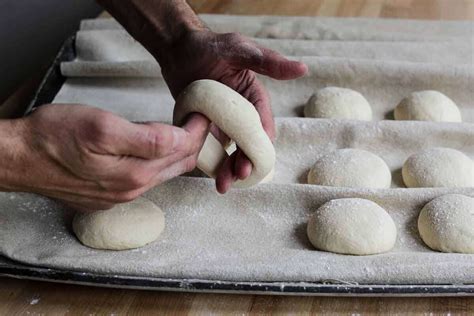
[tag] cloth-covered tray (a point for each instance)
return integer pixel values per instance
(257, 234)
(254, 239)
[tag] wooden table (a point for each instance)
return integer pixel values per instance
(31, 297)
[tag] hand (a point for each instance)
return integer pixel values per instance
(233, 60)
(92, 159)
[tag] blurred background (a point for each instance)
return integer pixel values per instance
(31, 33)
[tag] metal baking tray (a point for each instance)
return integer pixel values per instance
(45, 93)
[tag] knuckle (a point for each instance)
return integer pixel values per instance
(136, 180)
(98, 127)
(234, 37)
(190, 163)
(159, 142)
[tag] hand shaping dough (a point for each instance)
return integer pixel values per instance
(438, 167)
(427, 106)
(338, 103)
(447, 223)
(125, 226)
(237, 118)
(352, 226)
(355, 168)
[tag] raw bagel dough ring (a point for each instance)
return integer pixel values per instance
(236, 117)
(125, 226)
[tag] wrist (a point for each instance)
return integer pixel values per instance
(180, 23)
(157, 24)
(13, 169)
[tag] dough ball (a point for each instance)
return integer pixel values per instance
(447, 223)
(338, 103)
(438, 167)
(427, 106)
(125, 226)
(355, 168)
(352, 226)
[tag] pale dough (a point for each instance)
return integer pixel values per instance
(438, 167)
(237, 118)
(125, 226)
(352, 226)
(355, 168)
(447, 223)
(427, 105)
(338, 103)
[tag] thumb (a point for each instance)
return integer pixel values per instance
(196, 129)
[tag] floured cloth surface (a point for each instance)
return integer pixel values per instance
(324, 28)
(383, 71)
(383, 83)
(118, 46)
(256, 234)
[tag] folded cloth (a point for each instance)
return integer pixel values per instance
(119, 46)
(325, 28)
(383, 83)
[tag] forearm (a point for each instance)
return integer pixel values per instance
(156, 24)
(11, 155)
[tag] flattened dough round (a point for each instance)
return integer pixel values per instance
(427, 105)
(447, 223)
(355, 168)
(125, 226)
(338, 103)
(352, 226)
(236, 117)
(438, 167)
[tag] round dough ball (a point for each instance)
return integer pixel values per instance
(355, 168)
(438, 167)
(447, 223)
(338, 103)
(352, 226)
(125, 226)
(427, 105)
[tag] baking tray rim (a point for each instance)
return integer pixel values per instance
(21, 271)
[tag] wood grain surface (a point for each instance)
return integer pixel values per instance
(23, 297)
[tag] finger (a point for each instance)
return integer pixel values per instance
(197, 125)
(225, 176)
(155, 140)
(219, 135)
(176, 169)
(243, 166)
(249, 55)
(278, 67)
(256, 93)
(88, 207)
